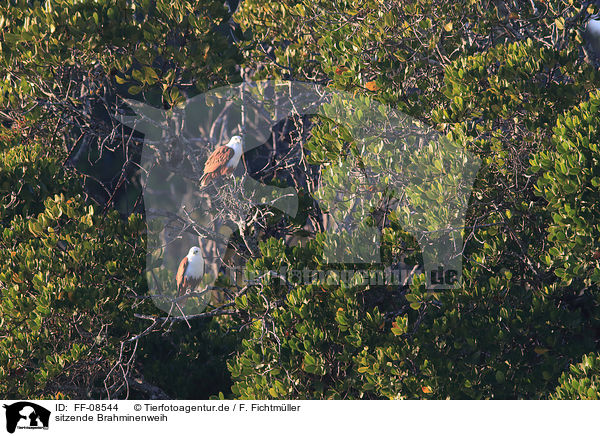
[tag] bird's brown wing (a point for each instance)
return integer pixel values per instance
(180, 277)
(218, 159)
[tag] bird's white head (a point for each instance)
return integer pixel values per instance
(236, 143)
(194, 252)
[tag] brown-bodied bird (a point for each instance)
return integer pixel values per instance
(222, 161)
(190, 272)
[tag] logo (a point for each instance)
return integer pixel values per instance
(26, 415)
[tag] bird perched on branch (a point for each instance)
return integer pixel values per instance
(223, 161)
(190, 272)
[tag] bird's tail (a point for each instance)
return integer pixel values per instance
(206, 179)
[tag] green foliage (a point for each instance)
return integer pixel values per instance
(508, 83)
(74, 270)
(570, 182)
(30, 172)
(581, 382)
(63, 283)
(69, 284)
(142, 47)
(315, 341)
(512, 328)
(334, 341)
(64, 288)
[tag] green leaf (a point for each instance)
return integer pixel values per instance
(133, 90)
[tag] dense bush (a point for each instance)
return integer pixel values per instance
(509, 83)
(581, 381)
(74, 269)
(512, 328)
(64, 284)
